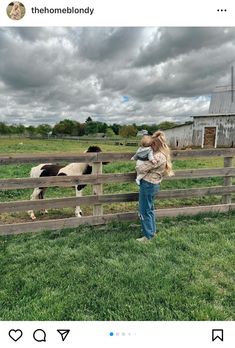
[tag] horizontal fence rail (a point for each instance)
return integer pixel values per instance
(104, 157)
(97, 179)
(59, 224)
(69, 181)
(110, 198)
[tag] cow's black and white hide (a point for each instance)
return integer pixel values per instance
(72, 169)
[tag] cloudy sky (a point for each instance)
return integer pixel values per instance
(116, 75)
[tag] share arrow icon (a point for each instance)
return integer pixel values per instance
(64, 334)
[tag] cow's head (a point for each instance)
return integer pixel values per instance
(95, 149)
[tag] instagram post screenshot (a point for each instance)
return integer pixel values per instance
(117, 173)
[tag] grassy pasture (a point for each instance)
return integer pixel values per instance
(102, 273)
(14, 145)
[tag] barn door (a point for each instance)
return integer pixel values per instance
(209, 136)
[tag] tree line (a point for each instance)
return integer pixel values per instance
(75, 128)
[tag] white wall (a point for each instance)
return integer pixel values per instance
(179, 137)
(225, 129)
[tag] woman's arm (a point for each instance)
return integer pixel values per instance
(148, 166)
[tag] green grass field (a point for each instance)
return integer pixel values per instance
(102, 273)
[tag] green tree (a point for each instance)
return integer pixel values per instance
(4, 129)
(91, 128)
(89, 119)
(95, 127)
(17, 129)
(43, 129)
(80, 129)
(166, 125)
(65, 127)
(128, 131)
(115, 127)
(31, 130)
(102, 127)
(109, 132)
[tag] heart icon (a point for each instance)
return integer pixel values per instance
(15, 334)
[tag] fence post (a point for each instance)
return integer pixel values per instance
(97, 189)
(228, 162)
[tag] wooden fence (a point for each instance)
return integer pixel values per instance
(97, 179)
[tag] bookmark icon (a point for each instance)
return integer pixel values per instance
(64, 334)
(217, 334)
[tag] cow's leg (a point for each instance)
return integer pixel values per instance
(37, 194)
(78, 211)
(41, 196)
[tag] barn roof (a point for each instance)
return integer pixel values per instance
(214, 115)
(184, 124)
(222, 100)
(180, 125)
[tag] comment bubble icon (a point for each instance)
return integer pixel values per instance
(39, 335)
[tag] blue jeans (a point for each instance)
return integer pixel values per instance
(146, 207)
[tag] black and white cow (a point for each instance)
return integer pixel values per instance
(49, 169)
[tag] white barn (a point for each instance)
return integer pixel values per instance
(217, 129)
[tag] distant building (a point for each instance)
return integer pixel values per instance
(217, 129)
(142, 132)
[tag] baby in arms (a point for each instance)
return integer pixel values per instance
(144, 153)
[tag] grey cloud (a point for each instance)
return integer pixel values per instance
(47, 74)
(34, 34)
(102, 44)
(168, 43)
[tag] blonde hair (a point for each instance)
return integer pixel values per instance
(159, 144)
(16, 10)
(146, 140)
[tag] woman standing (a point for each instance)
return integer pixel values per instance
(150, 184)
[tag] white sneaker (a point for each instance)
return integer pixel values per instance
(143, 240)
